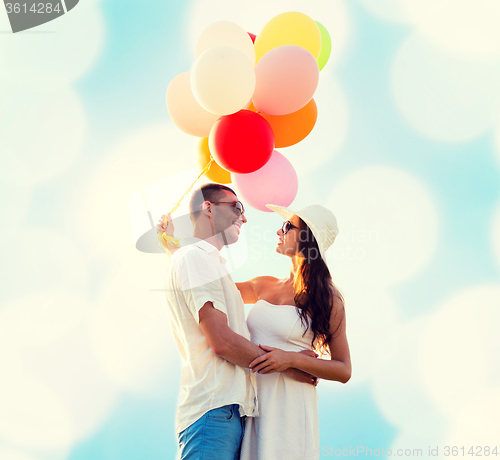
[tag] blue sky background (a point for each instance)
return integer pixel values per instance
(407, 145)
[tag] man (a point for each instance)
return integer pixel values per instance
(207, 316)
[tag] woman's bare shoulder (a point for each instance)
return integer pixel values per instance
(253, 290)
(264, 280)
(262, 283)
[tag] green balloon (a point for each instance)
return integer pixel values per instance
(326, 46)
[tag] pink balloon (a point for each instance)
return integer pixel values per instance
(286, 79)
(276, 183)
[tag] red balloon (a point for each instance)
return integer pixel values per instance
(252, 36)
(241, 142)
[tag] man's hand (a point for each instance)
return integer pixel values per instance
(276, 360)
(165, 225)
(301, 376)
(310, 353)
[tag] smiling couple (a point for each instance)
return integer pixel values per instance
(248, 388)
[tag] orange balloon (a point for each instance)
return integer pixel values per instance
(291, 128)
(216, 173)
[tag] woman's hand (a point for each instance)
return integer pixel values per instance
(276, 360)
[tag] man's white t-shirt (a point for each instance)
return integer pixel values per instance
(197, 274)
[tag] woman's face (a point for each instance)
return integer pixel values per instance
(288, 243)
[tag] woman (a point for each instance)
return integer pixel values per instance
(304, 311)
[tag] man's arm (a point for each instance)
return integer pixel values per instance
(234, 348)
(223, 341)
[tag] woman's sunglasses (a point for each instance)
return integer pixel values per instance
(238, 205)
(287, 226)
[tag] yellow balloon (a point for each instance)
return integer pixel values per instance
(216, 173)
(290, 28)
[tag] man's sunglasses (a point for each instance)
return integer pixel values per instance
(237, 205)
(287, 226)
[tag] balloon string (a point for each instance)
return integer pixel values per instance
(207, 167)
(163, 238)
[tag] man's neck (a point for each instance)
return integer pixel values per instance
(214, 240)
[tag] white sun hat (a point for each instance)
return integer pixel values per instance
(320, 220)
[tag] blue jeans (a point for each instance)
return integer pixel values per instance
(216, 435)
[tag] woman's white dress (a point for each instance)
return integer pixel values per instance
(287, 428)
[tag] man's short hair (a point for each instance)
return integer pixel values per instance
(207, 192)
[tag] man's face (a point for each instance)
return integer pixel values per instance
(225, 218)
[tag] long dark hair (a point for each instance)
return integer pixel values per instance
(315, 291)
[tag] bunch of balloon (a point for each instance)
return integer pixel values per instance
(247, 95)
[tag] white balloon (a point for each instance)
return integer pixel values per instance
(253, 15)
(223, 80)
(226, 33)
